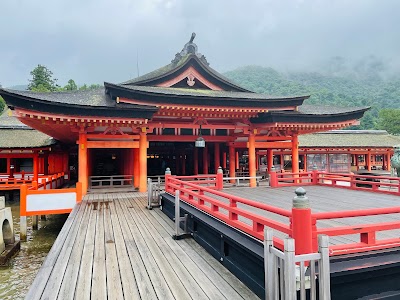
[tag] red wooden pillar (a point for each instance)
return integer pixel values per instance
(224, 160)
(232, 163)
(82, 162)
(295, 154)
(237, 160)
(217, 155)
(136, 170)
(143, 161)
(369, 160)
(35, 167)
(205, 160)
(252, 159)
(270, 159)
(388, 161)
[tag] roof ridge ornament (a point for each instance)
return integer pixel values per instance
(190, 48)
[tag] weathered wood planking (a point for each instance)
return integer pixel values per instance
(111, 247)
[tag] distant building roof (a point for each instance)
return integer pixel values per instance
(349, 138)
(14, 134)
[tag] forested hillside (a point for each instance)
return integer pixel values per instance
(325, 89)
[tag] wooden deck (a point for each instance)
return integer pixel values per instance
(324, 199)
(111, 247)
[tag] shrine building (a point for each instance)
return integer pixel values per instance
(185, 116)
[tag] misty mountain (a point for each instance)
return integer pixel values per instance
(21, 87)
(325, 89)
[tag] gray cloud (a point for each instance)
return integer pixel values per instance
(96, 40)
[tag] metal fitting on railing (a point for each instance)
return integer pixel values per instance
(167, 171)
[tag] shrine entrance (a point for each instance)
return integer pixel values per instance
(110, 168)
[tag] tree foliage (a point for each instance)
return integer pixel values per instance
(389, 120)
(71, 86)
(42, 80)
(2, 104)
(358, 87)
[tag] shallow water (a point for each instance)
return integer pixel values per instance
(16, 278)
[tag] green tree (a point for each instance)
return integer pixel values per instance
(2, 104)
(42, 80)
(71, 86)
(389, 120)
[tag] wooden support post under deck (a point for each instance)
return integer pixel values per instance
(35, 167)
(196, 161)
(205, 160)
(232, 163)
(217, 155)
(82, 162)
(252, 159)
(143, 162)
(295, 154)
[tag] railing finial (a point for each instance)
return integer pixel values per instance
(167, 171)
(301, 200)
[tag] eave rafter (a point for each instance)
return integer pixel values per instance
(302, 128)
(78, 120)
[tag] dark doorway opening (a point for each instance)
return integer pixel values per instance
(107, 162)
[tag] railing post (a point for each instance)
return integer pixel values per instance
(219, 180)
(269, 265)
(22, 211)
(290, 269)
(149, 193)
(273, 178)
(314, 175)
(167, 177)
(35, 185)
(301, 222)
(324, 268)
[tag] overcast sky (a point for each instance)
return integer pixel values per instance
(92, 41)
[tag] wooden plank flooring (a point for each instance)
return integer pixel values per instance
(111, 247)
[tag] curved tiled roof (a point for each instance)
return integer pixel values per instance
(14, 134)
(90, 97)
(176, 65)
(24, 138)
(202, 92)
(349, 138)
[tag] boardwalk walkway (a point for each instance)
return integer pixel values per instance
(111, 247)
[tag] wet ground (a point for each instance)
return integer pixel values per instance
(16, 278)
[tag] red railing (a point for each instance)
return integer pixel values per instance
(367, 232)
(225, 207)
(379, 184)
(302, 224)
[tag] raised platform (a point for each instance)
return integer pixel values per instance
(112, 247)
(325, 199)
